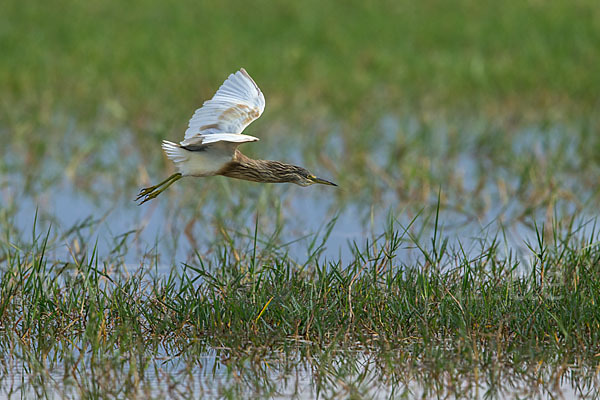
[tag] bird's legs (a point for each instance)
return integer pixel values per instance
(151, 192)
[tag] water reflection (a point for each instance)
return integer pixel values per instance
(298, 371)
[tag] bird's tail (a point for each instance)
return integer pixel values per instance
(175, 153)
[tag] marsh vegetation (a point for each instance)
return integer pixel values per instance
(460, 256)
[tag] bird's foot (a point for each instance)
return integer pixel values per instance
(148, 198)
(147, 194)
(151, 192)
(146, 191)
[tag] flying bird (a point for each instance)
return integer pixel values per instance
(210, 145)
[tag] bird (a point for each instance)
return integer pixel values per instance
(210, 144)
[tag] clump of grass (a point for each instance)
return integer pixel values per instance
(487, 310)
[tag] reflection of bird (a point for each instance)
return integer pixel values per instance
(214, 133)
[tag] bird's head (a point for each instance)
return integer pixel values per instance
(303, 177)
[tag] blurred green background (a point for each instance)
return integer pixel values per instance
(401, 95)
(155, 61)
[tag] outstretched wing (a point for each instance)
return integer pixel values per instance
(236, 104)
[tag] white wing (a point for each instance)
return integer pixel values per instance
(236, 104)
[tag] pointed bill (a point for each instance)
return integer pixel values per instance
(322, 181)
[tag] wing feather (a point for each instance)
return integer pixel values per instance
(218, 137)
(236, 104)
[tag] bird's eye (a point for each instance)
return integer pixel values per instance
(311, 176)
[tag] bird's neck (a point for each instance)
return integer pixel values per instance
(243, 167)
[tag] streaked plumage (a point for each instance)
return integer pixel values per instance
(213, 135)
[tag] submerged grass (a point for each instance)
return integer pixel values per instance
(446, 308)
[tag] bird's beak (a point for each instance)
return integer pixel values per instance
(322, 181)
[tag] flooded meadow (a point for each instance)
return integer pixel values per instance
(459, 256)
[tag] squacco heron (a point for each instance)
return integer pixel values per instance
(210, 146)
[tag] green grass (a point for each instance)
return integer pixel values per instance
(446, 310)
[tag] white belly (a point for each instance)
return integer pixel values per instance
(201, 160)
(203, 163)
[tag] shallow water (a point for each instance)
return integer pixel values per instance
(159, 227)
(64, 196)
(294, 374)
(529, 181)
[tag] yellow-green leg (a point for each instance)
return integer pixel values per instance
(151, 192)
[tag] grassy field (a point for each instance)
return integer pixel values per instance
(459, 257)
(459, 315)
